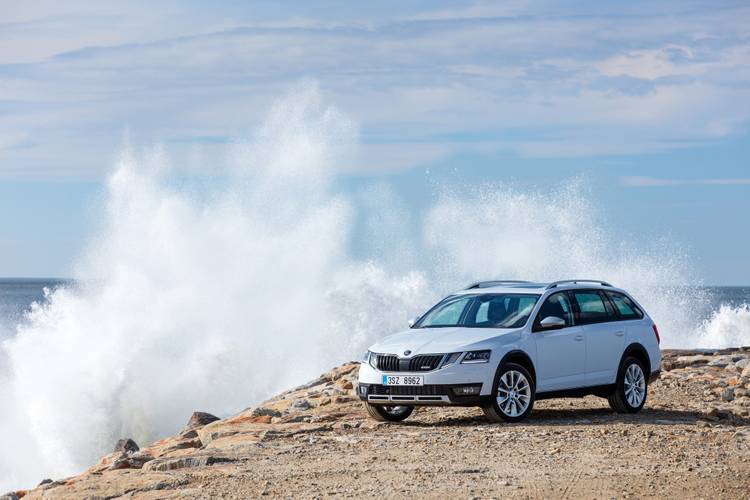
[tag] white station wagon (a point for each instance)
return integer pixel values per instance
(501, 345)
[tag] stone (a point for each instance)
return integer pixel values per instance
(728, 394)
(45, 481)
(742, 364)
(167, 464)
(199, 419)
(131, 461)
(126, 445)
(746, 371)
(301, 404)
(9, 496)
(191, 434)
(265, 412)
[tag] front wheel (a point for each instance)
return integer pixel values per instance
(630, 393)
(388, 413)
(513, 393)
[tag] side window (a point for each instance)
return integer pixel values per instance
(625, 306)
(591, 308)
(556, 305)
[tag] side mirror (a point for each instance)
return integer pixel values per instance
(413, 321)
(552, 323)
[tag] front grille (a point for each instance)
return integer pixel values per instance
(387, 363)
(422, 363)
(409, 390)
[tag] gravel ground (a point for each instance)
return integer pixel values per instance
(692, 440)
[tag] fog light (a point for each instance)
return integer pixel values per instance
(467, 390)
(363, 390)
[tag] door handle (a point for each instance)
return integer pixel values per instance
(620, 333)
(579, 337)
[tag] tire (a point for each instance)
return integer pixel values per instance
(389, 413)
(505, 404)
(631, 390)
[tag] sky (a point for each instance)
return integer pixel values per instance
(647, 101)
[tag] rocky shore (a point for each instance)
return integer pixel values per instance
(692, 440)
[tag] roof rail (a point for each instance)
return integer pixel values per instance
(487, 284)
(554, 284)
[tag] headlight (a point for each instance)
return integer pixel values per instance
(370, 359)
(477, 357)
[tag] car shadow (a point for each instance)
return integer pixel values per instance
(581, 416)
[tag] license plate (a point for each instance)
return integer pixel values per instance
(403, 380)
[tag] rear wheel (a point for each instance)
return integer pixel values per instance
(513, 393)
(632, 387)
(389, 413)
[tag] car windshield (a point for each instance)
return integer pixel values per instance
(501, 310)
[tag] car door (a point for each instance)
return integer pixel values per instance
(561, 353)
(605, 336)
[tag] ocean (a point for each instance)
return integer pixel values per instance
(18, 294)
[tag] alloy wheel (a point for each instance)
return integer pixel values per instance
(635, 385)
(513, 393)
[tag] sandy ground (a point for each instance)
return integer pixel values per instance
(690, 441)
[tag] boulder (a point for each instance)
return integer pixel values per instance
(265, 412)
(746, 371)
(131, 461)
(301, 404)
(9, 496)
(199, 419)
(126, 445)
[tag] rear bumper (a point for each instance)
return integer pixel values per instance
(427, 395)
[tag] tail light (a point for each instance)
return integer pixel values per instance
(656, 332)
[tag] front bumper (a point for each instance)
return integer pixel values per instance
(432, 395)
(438, 389)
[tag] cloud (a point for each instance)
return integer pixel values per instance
(636, 181)
(424, 83)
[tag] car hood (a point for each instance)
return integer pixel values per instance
(439, 340)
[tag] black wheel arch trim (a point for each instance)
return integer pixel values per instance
(636, 347)
(519, 353)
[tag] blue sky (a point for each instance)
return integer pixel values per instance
(646, 101)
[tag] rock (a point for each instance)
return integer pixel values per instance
(301, 405)
(742, 364)
(9, 496)
(720, 362)
(261, 419)
(685, 361)
(746, 371)
(191, 434)
(126, 445)
(199, 419)
(166, 464)
(728, 394)
(45, 481)
(265, 412)
(131, 461)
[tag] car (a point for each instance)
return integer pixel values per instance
(503, 344)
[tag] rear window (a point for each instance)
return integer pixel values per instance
(625, 306)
